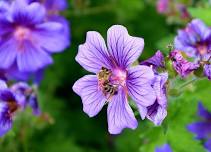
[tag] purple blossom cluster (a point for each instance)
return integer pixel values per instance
(202, 128)
(193, 42)
(13, 99)
(115, 79)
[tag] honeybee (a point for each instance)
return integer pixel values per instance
(109, 89)
(104, 74)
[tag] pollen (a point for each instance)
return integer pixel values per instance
(21, 33)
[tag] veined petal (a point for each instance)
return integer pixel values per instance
(32, 58)
(123, 48)
(5, 121)
(51, 37)
(139, 85)
(207, 71)
(8, 53)
(92, 97)
(93, 55)
(157, 114)
(3, 85)
(119, 114)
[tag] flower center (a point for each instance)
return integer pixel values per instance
(110, 80)
(202, 49)
(21, 33)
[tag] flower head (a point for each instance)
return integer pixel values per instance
(181, 65)
(8, 106)
(26, 95)
(195, 41)
(114, 79)
(202, 129)
(164, 148)
(27, 39)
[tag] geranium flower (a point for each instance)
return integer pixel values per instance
(114, 79)
(27, 40)
(195, 41)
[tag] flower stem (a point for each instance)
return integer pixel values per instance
(187, 83)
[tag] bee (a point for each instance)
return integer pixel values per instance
(104, 74)
(109, 89)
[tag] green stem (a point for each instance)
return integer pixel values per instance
(187, 83)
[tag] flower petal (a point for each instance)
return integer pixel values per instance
(157, 114)
(5, 121)
(33, 103)
(92, 98)
(27, 14)
(201, 129)
(119, 114)
(139, 85)
(208, 145)
(93, 55)
(156, 60)
(164, 148)
(51, 36)
(8, 53)
(202, 112)
(32, 58)
(123, 48)
(207, 71)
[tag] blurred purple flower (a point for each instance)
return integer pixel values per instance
(207, 71)
(181, 65)
(163, 6)
(8, 106)
(157, 61)
(195, 41)
(27, 40)
(183, 11)
(164, 148)
(202, 129)
(114, 79)
(26, 95)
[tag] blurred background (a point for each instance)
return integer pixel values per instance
(64, 127)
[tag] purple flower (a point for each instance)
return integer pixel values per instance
(207, 71)
(114, 78)
(26, 96)
(181, 65)
(27, 40)
(164, 148)
(157, 111)
(195, 41)
(202, 129)
(8, 106)
(163, 6)
(157, 61)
